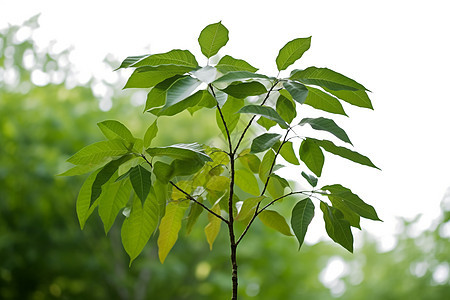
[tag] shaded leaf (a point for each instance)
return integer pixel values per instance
(346, 197)
(288, 153)
(193, 215)
(229, 110)
(251, 161)
(274, 220)
(286, 109)
(169, 227)
(213, 227)
(229, 64)
(264, 142)
(298, 91)
(114, 199)
(264, 111)
(302, 215)
(130, 60)
(163, 171)
(326, 125)
(180, 90)
(345, 153)
(83, 205)
(239, 76)
(113, 129)
(141, 180)
(180, 106)
(180, 151)
(206, 74)
(248, 208)
(218, 183)
(311, 179)
(244, 89)
(337, 228)
(326, 78)
(266, 123)
(173, 57)
(266, 164)
(357, 98)
(157, 95)
(212, 38)
(150, 134)
(291, 52)
(312, 156)
(276, 186)
(80, 170)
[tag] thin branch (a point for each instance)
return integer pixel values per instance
(251, 120)
(223, 121)
(199, 203)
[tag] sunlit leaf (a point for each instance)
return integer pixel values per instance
(80, 170)
(163, 172)
(274, 220)
(291, 52)
(326, 78)
(288, 153)
(173, 57)
(115, 198)
(302, 215)
(229, 110)
(157, 95)
(251, 161)
(266, 164)
(213, 227)
(139, 226)
(83, 206)
(97, 152)
(141, 181)
(247, 181)
(239, 76)
(327, 125)
(266, 123)
(180, 90)
(169, 227)
(248, 208)
(150, 134)
(113, 129)
(212, 38)
(149, 76)
(323, 101)
(229, 64)
(276, 186)
(312, 156)
(218, 183)
(130, 60)
(357, 98)
(206, 74)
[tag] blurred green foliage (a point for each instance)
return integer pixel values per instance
(45, 255)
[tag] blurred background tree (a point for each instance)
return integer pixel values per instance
(45, 255)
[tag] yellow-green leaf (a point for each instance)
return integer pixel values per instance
(274, 220)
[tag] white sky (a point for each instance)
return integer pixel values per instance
(398, 49)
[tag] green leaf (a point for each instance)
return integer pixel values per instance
(291, 52)
(311, 179)
(323, 101)
(150, 134)
(207, 100)
(141, 180)
(288, 153)
(302, 215)
(98, 152)
(169, 227)
(337, 228)
(286, 109)
(244, 89)
(105, 175)
(264, 142)
(213, 227)
(80, 170)
(345, 153)
(115, 198)
(229, 110)
(326, 78)
(130, 60)
(276, 186)
(274, 220)
(180, 90)
(212, 38)
(239, 76)
(266, 123)
(157, 95)
(229, 64)
(218, 183)
(357, 98)
(345, 196)
(247, 182)
(327, 125)
(264, 111)
(113, 129)
(139, 226)
(186, 166)
(193, 215)
(83, 206)
(298, 91)
(312, 156)
(181, 106)
(149, 76)
(251, 161)
(163, 171)
(180, 151)
(173, 57)
(206, 74)
(266, 164)
(248, 208)
(348, 214)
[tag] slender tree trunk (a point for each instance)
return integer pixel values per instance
(234, 274)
